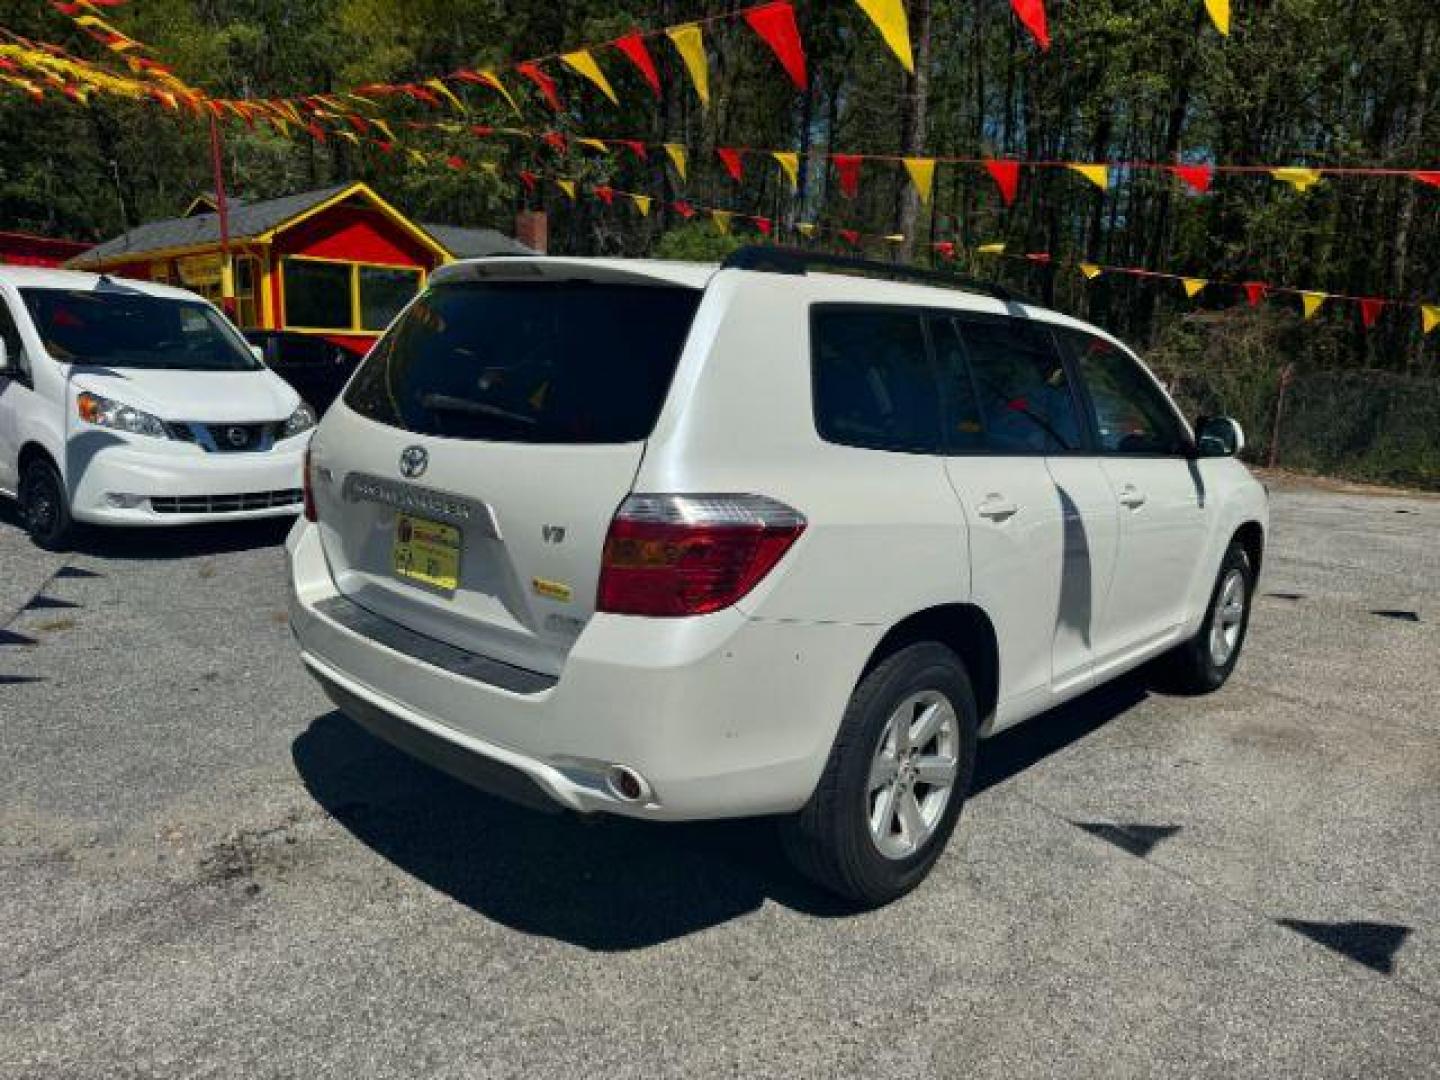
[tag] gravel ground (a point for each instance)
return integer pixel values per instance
(204, 870)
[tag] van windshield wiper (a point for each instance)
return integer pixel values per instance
(449, 403)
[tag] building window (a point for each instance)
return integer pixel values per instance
(317, 294)
(247, 291)
(342, 296)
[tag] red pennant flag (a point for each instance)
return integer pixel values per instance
(606, 194)
(1197, 177)
(684, 209)
(555, 140)
(385, 147)
(633, 46)
(483, 131)
(731, 159)
(1006, 175)
(847, 167)
(1032, 14)
(1041, 257)
(1370, 311)
(946, 248)
(316, 131)
(775, 23)
(419, 93)
(1255, 292)
(1431, 178)
(851, 237)
(764, 224)
(635, 146)
(455, 162)
(544, 82)
(528, 178)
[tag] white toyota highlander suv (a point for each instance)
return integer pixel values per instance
(783, 537)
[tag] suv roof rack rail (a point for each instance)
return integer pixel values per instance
(782, 260)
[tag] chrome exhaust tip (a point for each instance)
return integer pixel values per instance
(626, 784)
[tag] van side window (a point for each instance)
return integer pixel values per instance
(1026, 400)
(874, 384)
(965, 427)
(10, 334)
(1130, 413)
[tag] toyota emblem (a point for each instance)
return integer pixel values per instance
(237, 436)
(413, 461)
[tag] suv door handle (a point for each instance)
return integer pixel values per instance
(997, 508)
(1132, 497)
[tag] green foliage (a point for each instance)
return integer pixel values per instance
(695, 242)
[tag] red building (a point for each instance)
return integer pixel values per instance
(340, 262)
(22, 249)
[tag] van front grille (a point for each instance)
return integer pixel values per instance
(226, 504)
(229, 438)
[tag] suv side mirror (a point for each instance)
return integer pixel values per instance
(4, 358)
(1218, 436)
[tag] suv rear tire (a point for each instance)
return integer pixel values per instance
(44, 506)
(895, 781)
(1204, 663)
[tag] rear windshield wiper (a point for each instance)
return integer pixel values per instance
(448, 403)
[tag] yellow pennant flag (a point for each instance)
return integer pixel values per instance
(922, 175)
(1311, 302)
(691, 45)
(896, 238)
(642, 203)
(722, 221)
(582, 62)
(1219, 14)
(444, 91)
(568, 187)
(805, 229)
(789, 165)
(676, 153)
(890, 19)
(1193, 285)
(1429, 317)
(383, 126)
(491, 167)
(490, 79)
(1099, 175)
(347, 135)
(1300, 179)
(416, 156)
(1090, 270)
(991, 249)
(594, 144)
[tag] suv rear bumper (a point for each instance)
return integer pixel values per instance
(721, 715)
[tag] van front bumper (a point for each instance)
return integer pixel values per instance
(719, 715)
(128, 483)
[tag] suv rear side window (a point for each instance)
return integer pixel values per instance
(1026, 402)
(1130, 413)
(874, 384)
(539, 362)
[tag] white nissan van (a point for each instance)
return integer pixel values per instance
(127, 403)
(784, 537)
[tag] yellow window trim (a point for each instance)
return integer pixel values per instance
(355, 268)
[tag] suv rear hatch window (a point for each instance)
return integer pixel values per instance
(551, 362)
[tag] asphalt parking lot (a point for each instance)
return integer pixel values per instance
(205, 870)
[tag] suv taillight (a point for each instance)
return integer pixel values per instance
(672, 555)
(306, 489)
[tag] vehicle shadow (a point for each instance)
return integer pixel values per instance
(612, 884)
(167, 541)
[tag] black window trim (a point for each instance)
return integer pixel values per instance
(20, 371)
(1088, 415)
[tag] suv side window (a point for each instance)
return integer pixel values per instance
(10, 334)
(1025, 397)
(1130, 414)
(965, 427)
(874, 385)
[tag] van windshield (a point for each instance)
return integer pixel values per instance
(124, 328)
(556, 362)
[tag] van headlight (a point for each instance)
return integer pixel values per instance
(302, 419)
(102, 412)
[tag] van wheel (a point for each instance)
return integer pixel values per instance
(895, 782)
(44, 507)
(1205, 662)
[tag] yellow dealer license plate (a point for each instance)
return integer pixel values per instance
(427, 552)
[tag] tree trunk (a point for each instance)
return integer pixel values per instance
(913, 124)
